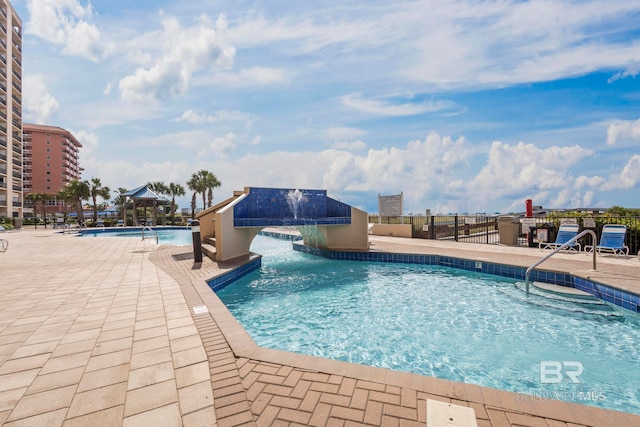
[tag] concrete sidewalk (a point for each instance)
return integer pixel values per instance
(102, 331)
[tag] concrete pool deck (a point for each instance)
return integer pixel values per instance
(100, 331)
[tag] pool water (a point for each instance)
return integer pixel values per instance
(170, 236)
(437, 321)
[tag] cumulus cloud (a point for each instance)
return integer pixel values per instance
(66, 23)
(184, 51)
(623, 129)
(513, 170)
(381, 107)
(628, 177)
(346, 138)
(39, 105)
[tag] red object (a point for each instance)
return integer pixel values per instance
(529, 203)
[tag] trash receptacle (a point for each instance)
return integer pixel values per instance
(17, 222)
(509, 229)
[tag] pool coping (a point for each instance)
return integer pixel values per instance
(245, 350)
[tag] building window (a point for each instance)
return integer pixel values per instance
(48, 179)
(48, 150)
(48, 188)
(48, 157)
(48, 142)
(48, 165)
(48, 172)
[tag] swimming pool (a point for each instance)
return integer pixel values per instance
(437, 321)
(166, 236)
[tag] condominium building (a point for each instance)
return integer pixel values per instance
(50, 163)
(11, 196)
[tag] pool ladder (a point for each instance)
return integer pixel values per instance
(153, 233)
(558, 249)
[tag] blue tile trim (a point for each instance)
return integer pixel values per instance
(607, 293)
(226, 279)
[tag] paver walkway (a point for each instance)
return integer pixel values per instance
(99, 331)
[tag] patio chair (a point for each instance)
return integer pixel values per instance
(611, 240)
(565, 233)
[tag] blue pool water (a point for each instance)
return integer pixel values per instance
(438, 321)
(166, 236)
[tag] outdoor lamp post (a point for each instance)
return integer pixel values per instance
(197, 244)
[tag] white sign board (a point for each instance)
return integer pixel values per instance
(589, 223)
(568, 221)
(390, 205)
(527, 223)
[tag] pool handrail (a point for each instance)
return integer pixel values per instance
(558, 249)
(146, 227)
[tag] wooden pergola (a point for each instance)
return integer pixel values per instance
(142, 197)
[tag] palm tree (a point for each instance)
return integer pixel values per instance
(97, 190)
(204, 182)
(78, 191)
(67, 199)
(194, 184)
(39, 198)
(193, 206)
(160, 188)
(173, 191)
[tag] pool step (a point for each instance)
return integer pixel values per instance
(568, 298)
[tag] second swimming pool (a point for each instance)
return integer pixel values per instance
(441, 322)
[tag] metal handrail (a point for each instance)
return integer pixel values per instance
(558, 249)
(146, 227)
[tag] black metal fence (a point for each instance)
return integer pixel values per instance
(486, 229)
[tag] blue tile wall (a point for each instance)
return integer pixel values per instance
(226, 279)
(272, 207)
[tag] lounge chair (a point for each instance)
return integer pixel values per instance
(565, 233)
(120, 223)
(611, 240)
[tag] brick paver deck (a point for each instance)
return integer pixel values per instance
(101, 331)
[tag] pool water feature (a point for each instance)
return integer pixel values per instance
(166, 236)
(437, 321)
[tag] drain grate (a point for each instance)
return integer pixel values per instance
(199, 309)
(441, 414)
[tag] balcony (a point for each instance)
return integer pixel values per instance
(3, 157)
(17, 204)
(3, 185)
(3, 12)
(16, 188)
(15, 98)
(17, 61)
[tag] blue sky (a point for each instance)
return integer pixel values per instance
(464, 106)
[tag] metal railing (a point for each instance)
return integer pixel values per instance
(153, 233)
(484, 228)
(555, 251)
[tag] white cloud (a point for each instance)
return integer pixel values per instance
(39, 105)
(248, 77)
(90, 142)
(628, 177)
(184, 51)
(195, 118)
(346, 138)
(513, 170)
(632, 70)
(386, 108)
(623, 129)
(65, 22)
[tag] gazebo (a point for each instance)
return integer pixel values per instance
(143, 196)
